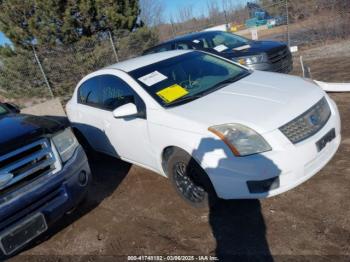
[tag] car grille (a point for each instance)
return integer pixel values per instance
(279, 56)
(25, 164)
(308, 123)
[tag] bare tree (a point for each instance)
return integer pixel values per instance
(185, 13)
(239, 14)
(152, 12)
(228, 5)
(214, 12)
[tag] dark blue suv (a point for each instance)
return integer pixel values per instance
(44, 173)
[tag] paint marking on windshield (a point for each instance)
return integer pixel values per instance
(172, 93)
(220, 48)
(152, 78)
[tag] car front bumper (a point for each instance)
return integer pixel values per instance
(51, 196)
(290, 164)
(283, 66)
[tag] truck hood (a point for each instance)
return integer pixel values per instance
(263, 101)
(255, 47)
(19, 129)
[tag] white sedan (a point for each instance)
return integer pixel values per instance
(215, 128)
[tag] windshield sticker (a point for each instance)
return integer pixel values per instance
(220, 48)
(172, 93)
(196, 41)
(243, 47)
(152, 78)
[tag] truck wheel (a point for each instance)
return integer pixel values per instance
(190, 180)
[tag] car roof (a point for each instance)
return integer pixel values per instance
(188, 37)
(196, 34)
(138, 62)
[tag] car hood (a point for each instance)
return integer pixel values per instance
(263, 101)
(20, 129)
(255, 47)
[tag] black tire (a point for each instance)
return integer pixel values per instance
(190, 181)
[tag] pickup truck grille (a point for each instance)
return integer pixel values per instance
(308, 123)
(279, 55)
(25, 164)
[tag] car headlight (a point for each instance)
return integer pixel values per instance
(65, 143)
(249, 60)
(240, 139)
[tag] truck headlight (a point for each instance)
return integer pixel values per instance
(240, 139)
(65, 143)
(249, 60)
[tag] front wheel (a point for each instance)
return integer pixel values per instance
(190, 180)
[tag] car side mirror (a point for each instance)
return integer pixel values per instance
(13, 108)
(127, 110)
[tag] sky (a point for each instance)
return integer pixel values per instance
(171, 6)
(4, 39)
(199, 6)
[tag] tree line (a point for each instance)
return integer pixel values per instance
(70, 37)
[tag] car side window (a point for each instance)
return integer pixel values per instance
(200, 43)
(182, 46)
(88, 92)
(115, 92)
(218, 40)
(163, 48)
(157, 49)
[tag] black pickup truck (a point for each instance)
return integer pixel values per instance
(258, 55)
(44, 173)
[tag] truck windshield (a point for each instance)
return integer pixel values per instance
(222, 41)
(186, 77)
(3, 110)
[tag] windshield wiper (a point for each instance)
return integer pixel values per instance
(219, 85)
(183, 100)
(226, 82)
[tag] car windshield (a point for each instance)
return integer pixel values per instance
(221, 41)
(3, 110)
(187, 77)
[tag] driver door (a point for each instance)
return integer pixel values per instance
(129, 136)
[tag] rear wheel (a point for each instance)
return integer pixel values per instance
(190, 180)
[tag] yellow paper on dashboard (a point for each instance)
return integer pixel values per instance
(172, 93)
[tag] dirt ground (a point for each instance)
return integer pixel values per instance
(132, 211)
